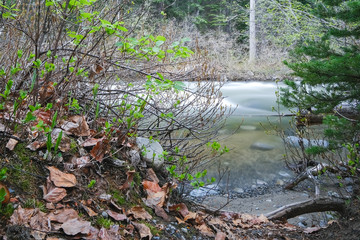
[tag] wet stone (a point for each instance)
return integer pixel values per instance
(261, 146)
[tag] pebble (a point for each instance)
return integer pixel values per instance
(104, 214)
(238, 190)
(280, 182)
(268, 200)
(333, 194)
(284, 174)
(105, 197)
(260, 182)
(184, 230)
(155, 238)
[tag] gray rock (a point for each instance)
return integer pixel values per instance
(284, 174)
(260, 182)
(118, 162)
(333, 194)
(152, 151)
(261, 146)
(248, 127)
(300, 224)
(202, 192)
(104, 214)
(184, 230)
(280, 182)
(238, 190)
(295, 142)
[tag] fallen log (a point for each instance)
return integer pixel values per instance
(308, 206)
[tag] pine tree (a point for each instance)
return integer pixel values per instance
(329, 69)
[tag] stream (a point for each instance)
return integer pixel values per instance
(255, 157)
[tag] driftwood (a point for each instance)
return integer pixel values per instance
(308, 206)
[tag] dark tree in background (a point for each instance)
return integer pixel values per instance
(329, 69)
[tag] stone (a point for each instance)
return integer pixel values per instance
(152, 151)
(280, 182)
(202, 192)
(238, 190)
(284, 174)
(119, 162)
(260, 182)
(248, 127)
(261, 146)
(295, 142)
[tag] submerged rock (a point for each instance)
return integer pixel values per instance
(295, 142)
(262, 146)
(152, 151)
(248, 127)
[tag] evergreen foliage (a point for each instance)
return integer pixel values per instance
(329, 69)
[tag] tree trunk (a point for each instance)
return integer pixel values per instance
(308, 206)
(252, 39)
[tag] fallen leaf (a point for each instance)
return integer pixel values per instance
(181, 208)
(103, 234)
(180, 221)
(11, 144)
(116, 216)
(129, 179)
(152, 175)
(161, 213)
(7, 196)
(205, 230)
(81, 161)
(220, 236)
(190, 216)
(75, 226)
(36, 145)
(140, 213)
(151, 186)
(63, 215)
(88, 210)
(90, 142)
(143, 230)
(76, 125)
(47, 91)
(55, 195)
(155, 199)
(42, 115)
(39, 221)
(100, 149)
(61, 179)
(21, 216)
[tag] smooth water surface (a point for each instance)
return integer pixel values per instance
(247, 164)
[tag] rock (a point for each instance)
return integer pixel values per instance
(333, 194)
(295, 142)
(104, 214)
(260, 182)
(280, 182)
(152, 151)
(284, 174)
(261, 146)
(184, 230)
(238, 190)
(248, 127)
(349, 189)
(268, 200)
(119, 162)
(204, 191)
(300, 224)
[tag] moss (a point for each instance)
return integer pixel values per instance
(120, 198)
(33, 203)
(104, 222)
(153, 229)
(137, 179)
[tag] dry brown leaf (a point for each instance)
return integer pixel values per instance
(39, 221)
(7, 196)
(63, 215)
(205, 230)
(190, 216)
(11, 144)
(75, 226)
(116, 216)
(100, 149)
(46, 91)
(55, 195)
(181, 208)
(36, 145)
(42, 115)
(61, 179)
(22, 216)
(152, 175)
(129, 179)
(143, 230)
(90, 142)
(81, 161)
(155, 199)
(151, 186)
(180, 221)
(103, 234)
(88, 210)
(246, 218)
(140, 213)
(220, 236)
(161, 213)
(93, 234)
(76, 125)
